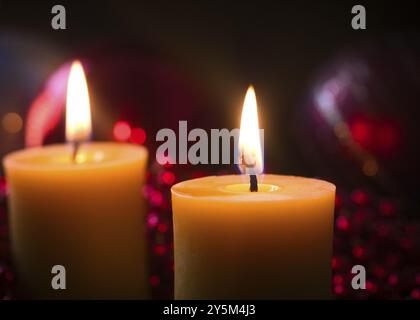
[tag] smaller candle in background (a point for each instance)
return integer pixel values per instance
(86, 215)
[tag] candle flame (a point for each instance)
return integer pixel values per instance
(250, 152)
(78, 118)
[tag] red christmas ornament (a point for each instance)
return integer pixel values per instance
(162, 227)
(360, 197)
(338, 289)
(415, 294)
(138, 136)
(359, 252)
(168, 177)
(154, 280)
(160, 250)
(121, 131)
(342, 223)
(387, 208)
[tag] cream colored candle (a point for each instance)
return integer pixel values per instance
(81, 208)
(235, 239)
(88, 217)
(233, 244)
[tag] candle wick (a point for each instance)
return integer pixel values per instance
(253, 183)
(76, 146)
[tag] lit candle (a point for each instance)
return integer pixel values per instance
(79, 206)
(236, 239)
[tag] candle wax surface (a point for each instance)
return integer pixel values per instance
(270, 187)
(89, 155)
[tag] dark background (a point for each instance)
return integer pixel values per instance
(153, 63)
(216, 48)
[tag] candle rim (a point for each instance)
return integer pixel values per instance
(14, 159)
(327, 190)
